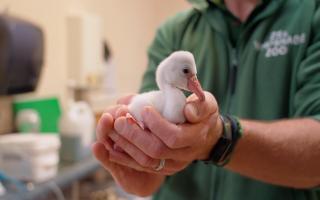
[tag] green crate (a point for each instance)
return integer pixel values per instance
(49, 111)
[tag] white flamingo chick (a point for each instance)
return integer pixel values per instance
(176, 72)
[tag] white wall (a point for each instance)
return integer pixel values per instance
(50, 16)
(128, 26)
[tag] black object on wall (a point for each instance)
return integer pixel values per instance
(21, 55)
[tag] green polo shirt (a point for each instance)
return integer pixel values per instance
(267, 68)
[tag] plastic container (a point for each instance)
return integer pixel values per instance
(29, 157)
(77, 126)
(78, 120)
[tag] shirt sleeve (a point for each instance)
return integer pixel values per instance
(307, 95)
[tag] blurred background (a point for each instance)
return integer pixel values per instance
(62, 62)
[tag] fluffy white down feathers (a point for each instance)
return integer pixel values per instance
(175, 73)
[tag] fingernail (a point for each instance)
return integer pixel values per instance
(192, 109)
(119, 125)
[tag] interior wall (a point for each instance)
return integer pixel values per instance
(49, 15)
(128, 26)
(167, 8)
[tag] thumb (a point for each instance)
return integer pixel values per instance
(196, 111)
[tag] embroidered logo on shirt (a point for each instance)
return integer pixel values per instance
(279, 42)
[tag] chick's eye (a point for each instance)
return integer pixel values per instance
(185, 70)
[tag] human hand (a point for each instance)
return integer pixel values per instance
(107, 117)
(179, 145)
(130, 179)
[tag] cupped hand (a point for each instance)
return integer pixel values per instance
(132, 179)
(179, 145)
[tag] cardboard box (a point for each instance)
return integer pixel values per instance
(6, 116)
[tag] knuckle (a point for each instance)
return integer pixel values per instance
(173, 141)
(145, 161)
(152, 124)
(119, 112)
(157, 150)
(208, 95)
(212, 104)
(120, 142)
(203, 135)
(203, 129)
(131, 132)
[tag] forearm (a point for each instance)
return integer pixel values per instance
(284, 152)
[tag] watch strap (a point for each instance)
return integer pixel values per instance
(222, 150)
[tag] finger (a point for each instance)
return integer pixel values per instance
(146, 142)
(149, 143)
(104, 157)
(101, 154)
(110, 160)
(105, 125)
(103, 128)
(127, 161)
(173, 136)
(170, 167)
(195, 110)
(125, 100)
(139, 156)
(121, 102)
(159, 126)
(122, 111)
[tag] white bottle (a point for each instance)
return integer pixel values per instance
(78, 120)
(109, 77)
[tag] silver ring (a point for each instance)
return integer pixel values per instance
(161, 165)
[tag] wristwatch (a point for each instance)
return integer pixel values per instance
(222, 150)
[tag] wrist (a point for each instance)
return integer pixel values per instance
(222, 150)
(213, 135)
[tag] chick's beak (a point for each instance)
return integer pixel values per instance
(195, 87)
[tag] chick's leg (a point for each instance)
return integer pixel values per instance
(133, 120)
